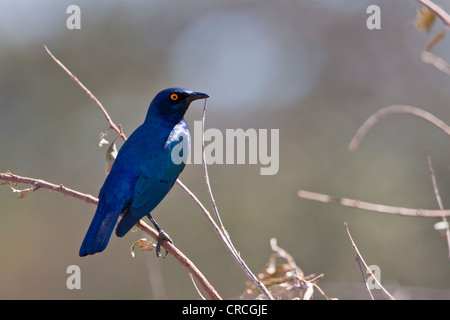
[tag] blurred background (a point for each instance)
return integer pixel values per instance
(311, 69)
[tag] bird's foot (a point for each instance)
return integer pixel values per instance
(163, 236)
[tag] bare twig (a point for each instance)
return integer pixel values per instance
(372, 206)
(433, 180)
(187, 264)
(360, 259)
(205, 168)
(395, 109)
(201, 206)
(37, 183)
(217, 229)
(196, 288)
(438, 198)
(224, 236)
(436, 61)
(183, 259)
(90, 94)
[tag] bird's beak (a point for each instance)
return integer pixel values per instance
(196, 96)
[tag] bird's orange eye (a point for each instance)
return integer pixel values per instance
(174, 97)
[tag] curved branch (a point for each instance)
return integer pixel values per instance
(37, 183)
(395, 109)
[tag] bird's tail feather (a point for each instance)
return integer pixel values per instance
(126, 223)
(99, 232)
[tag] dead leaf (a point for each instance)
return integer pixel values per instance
(425, 19)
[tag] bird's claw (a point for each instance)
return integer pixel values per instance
(163, 236)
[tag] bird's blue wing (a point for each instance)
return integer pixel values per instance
(115, 195)
(157, 176)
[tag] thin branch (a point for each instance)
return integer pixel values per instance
(224, 238)
(37, 183)
(90, 94)
(438, 198)
(433, 180)
(359, 259)
(395, 109)
(183, 259)
(363, 276)
(189, 266)
(224, 234)
(205, 168)
(196, 288)
(357, 204)
(436, 61)
(201, 206)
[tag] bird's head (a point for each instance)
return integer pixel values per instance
(172, 103)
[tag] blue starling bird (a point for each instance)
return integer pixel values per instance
(144, 170)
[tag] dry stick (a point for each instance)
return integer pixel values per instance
(185, 262)
(438, 198)
(224, 236)
(112, 125)
(205, 168)
(196, 288)
(436, 61)
(188, 265)
(168, 246)
(359, 259)
(38, 183)
(357, 204)
(395, 109)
